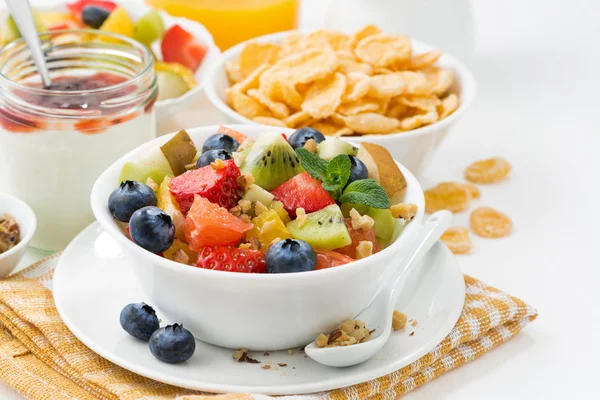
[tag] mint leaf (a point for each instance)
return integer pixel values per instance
(313, 164)
(367, 192)
(338, 170)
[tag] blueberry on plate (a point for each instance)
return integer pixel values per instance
(211, 155)
(220, 141)
(129, 197)
(94, 16)
(290, 255)
(172, 344)
(299, 138)
(358, 170)
(139, 320)
(152, 229)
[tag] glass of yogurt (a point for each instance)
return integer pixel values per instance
(55, 142)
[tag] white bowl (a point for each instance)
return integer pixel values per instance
(412, 148)
(25, 218)
(136, 8)
(254, 311)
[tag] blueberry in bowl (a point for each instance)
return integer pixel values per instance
(301, 136)
(211, 155)
(129, 197)
(220, 141)
(152, 229)
(290, 255)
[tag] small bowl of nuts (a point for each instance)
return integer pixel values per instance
(17, 226)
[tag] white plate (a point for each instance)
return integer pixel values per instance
(93, 282)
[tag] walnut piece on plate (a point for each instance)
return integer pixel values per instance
(10, 234)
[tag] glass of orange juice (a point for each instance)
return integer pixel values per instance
(233, 21)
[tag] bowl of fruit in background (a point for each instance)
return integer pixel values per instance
(415, 122)
(231, 231)
(183, 49)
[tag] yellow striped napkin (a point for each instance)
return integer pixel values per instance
(42, 359)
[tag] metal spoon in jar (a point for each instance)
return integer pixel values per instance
(23, 16)
(384, 302)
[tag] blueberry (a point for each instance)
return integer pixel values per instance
(358, 170)
(220, 142)
(211, 155)
(172, 344)
(302, 135)
(129, 197)
(152, 229)
(290, 255)
(94, 16)
(139, 320)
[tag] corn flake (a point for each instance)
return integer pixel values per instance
(358, 107)
(254, 54)
(325, 96)
(252, 80)
(488, 171)
(308, 66)
(489, 223)
(457, 240)
(382, 50)
(441, 80)
(424, 103)
(447, 196)
(245, 105)
(425, 60)
(448, 105)
(371, 123)
(297, 118)
(278, 109)
(387, 86)
(368, 30)
(232, 69)
(327, 126)
(416, 121)
(323, 37)
(357, 86)
(416, 83)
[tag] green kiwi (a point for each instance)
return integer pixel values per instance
(271, 161)
(385, 223)
(323, 229)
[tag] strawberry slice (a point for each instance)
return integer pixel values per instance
(329, 259)
(358, 235)
(240, 137)
(208, 224)
(302, 191)
(77, 7)
(217, 185)
(227, 258)
(180, 46)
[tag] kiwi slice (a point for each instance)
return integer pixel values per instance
(384, 224)
(324, 229)
(271, 161)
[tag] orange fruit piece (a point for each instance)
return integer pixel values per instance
(329, 259)
(449, 196)
(457, 239)
(208, 224)
(489, 223)
(268, 226)
(357, 236)
(488, 171)
(240, 137)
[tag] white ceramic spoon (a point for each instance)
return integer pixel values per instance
(379, 313)
(20, 10)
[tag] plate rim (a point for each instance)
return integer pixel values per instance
(288, 389)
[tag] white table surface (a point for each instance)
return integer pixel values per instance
(538, 67)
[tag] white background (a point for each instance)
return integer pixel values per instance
(537, 63)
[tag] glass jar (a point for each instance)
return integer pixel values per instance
(55, 142)
(233, 21)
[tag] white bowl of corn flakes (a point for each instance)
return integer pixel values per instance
(386, 89)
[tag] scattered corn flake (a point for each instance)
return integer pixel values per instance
(447, 196)
(488, 171)
(414, 323)
(448, 105)
(254, 55)
(382, 50)
(424, 60)
(406, 211)
(269, 121)
(279, 110)
(472, 189)
(387, 86)
(489, 223)
(458, 240)
(371, 123)
(364, 249)
(324, 96)
(398, 320)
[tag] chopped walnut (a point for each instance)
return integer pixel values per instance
(217, 164)
(406, 211)
(245, 206)
(240, 355)
(245, 218)
(363, 222)
(245, 181)
(364, 249)
(254, 243)
(10, 234)
(237, 211)
(266, 366)
(398, 320)
(300, 217)
(245, 246)
(152, 184)
(311, 145)
(246, 144)
(259, 208)
(350, 332)
(181, 256)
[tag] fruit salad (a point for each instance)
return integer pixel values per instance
(180, 55)
(276, 204)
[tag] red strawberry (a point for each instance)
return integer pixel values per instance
(358, 235)
(227, 258)
(216, 185)
(302, 191)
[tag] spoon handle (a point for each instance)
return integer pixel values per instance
(23, 16)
